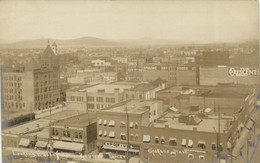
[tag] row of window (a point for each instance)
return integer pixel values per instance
(12, 97)
(122, 135)
(184, 142)
(16, 105)
(122, 124)
(77, 135)
(46, 96)
(6, 90)
(54, 75)
(12, 78)
(101, 99)
(12, 84)
(76, 98)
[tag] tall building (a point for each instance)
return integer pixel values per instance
(34, 86)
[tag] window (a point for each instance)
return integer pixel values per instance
(173, 141)
(201, 144)
(80, 135)
(136, 137)
(156, 140)
(131, 124)
(100, 122)
(99, 99)
(162, 140)
(111, 134)
(183, 143)
(57, 133)
(90, 98)
(201, 157)
(146, 138)
(105, 122)
(72, 98)
(136, 125)
(105, 133)
(123, 136)
(111, 123)
(76, 135)
(100, 133)
(90, 106)
(132, 137)
(122, 124)
(173, 154)
(213, 146)
(190, 143)
(190, 156)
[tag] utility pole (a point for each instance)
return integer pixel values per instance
(218, 135)
(127, 136)
(50, 141)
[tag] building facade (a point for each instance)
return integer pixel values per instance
(35, 86)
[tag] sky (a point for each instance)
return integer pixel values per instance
(198, 21)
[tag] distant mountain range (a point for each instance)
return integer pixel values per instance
(79, 42)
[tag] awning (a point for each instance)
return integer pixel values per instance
(111, 123)
(174, 139)
(100, 132)
(68, 146)
(207, 110)
(146, 138)
(105, 133)
(190, 143)
(201, 142)
(100, 122)
(131, 124)
(156, 137)
(24, 142)
(41, 144)
(105, 122)
(162, 137)
(213, 143)
(122, 133)
(173, 109)
(183, 142)
(111, 134)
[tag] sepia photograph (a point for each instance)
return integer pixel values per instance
(130, 81)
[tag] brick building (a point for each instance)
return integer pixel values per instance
(34, 86)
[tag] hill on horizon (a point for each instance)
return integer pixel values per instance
(79, 42)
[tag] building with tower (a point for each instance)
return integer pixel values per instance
(34, 86)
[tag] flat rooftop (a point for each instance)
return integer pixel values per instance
(79, 120)
(63, 115)
(235, 91)
(209, 124)
(133, 107)
(107, 88)
(28, 126)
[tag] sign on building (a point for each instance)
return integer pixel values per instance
(244, 72)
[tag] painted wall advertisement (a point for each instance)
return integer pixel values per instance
(244, 72)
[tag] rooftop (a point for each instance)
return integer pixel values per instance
(106, 88)
(27, 127)
(209, 124)
(132, 106)
(81, 119)
(144, 87)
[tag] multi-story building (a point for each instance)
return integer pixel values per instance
(208, 135)
(122, 119)
(75, 134)
(177, 74)
(94, 98)
(34, 86)
(213, 58)
(228, 75)
(134, 68)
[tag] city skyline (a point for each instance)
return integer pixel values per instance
(198, 22)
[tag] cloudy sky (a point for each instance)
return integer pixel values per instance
(190, 21)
